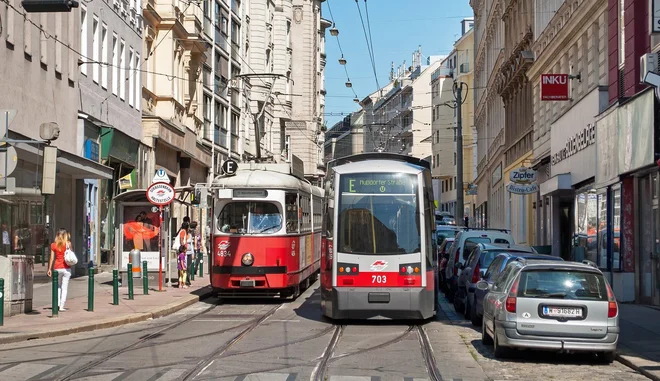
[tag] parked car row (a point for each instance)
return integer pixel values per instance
(526, 300)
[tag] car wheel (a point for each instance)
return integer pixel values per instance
(468, 308)
(485, 337)
(499, 351)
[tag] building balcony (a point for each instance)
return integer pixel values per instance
(442, 72)
(220, 86)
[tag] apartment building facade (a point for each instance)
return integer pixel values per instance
(40, 83)
(457, 68)
(489, 112)
(109, 115)
(345, 138)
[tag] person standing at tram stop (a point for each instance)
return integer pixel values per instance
(181, 266)
(57, 263)
(196, 231)
(185, 238)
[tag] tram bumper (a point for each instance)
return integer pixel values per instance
(371, 302)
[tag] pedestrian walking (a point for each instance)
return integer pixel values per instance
(57, 263)
(181, 266)
(190, 250)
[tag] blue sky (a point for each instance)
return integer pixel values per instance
(397, 29)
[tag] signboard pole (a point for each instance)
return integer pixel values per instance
(160, 250)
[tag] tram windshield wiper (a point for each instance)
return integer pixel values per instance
(268, 228)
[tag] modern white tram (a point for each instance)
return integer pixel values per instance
(378, 252)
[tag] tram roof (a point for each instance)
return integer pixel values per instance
(265, 176)
(379, 162)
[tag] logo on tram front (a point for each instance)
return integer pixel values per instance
(223, 247)
(379, 265)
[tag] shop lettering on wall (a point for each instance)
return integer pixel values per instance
(576, 143)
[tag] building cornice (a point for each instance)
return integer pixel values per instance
(511, 75)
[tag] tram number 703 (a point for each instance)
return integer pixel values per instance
(378, 279)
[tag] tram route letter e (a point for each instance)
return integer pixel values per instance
(554, 87)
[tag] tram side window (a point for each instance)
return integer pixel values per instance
(250, 218)
(291, 201)
(306, 223)
(318, 216)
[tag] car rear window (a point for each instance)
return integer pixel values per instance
(562, 284)
(487, 258)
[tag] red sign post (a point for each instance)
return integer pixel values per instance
(160, 194)
(554, 87)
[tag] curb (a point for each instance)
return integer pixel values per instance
(156, 313)
(620, 358)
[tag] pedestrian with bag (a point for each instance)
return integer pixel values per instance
(62, 258)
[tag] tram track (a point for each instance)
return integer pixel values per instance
(328, 356)
(207, 361)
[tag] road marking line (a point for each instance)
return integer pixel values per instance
(206, 367)
(350, 378)
(217, 320)
(24, 371)
(266, 377)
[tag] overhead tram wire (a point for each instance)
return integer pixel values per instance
(341, 51)
(369, 46)
(371, 41)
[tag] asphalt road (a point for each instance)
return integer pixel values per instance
(274, 341)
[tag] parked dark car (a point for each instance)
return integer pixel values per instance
(494, 270)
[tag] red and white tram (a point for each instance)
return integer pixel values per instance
(266, 232)
(378, 254)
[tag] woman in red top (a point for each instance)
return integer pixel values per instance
(57, 263)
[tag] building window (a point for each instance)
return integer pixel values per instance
(83, 38)
(622, 33)
(138, 82)
(131, 79)
(96, 49)
(225, 26)
(115, 64)
(454, 158)
(122, 70)
(104, 56)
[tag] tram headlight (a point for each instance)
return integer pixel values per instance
(247, 259)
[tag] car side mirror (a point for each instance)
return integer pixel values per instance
(483, 285)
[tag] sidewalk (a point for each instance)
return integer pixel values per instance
(639, 342)
(40, 324)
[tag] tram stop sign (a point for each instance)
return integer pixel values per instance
(229, 167)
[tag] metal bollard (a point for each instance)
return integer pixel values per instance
(115, 287)
(90, 290)
(130, 281)
(188, 269)
(55, 297)
(200, 264)
(145, 278)
(2, 302)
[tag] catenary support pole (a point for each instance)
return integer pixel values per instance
(145, 278)
(2, 302)
(460, 191)
(130, 281)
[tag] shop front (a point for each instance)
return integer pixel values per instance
(567, 209)
(521, 185)
(628, 187)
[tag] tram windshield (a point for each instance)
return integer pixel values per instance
(378, 214)
(248, 217)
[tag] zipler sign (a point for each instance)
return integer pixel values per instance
(554, 87)
(576, 143)
(522, 181)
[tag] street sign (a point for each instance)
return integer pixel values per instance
(8, 160)
(523, 175)
(160, 194)
(522, 188)
(160, 177)
(229, 167)
(554, 87)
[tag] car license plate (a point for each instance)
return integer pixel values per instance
(562, 311)
(247, 283)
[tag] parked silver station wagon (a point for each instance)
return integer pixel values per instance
(560, 306)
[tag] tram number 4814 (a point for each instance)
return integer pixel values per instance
(378, 279)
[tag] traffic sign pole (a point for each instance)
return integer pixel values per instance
(160, 251)
(160, 193)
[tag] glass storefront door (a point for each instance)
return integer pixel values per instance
(649, 240)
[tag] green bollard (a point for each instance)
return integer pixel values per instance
(145, 278)
(191, 268)
(2, 302)
(90, 290)
(55, 297)
(200, 264)
(130, 281)
(115, 287)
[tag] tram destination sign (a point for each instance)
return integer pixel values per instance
(378, 183)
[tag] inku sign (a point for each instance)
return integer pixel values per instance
(554, 87)
(160, 194)
(576, 143)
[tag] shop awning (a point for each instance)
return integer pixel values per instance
(557, 183)
(76, 166)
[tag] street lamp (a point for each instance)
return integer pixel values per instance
(334, 31)
(342, 60)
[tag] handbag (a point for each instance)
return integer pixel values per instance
(177, 241)
(70, 257)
